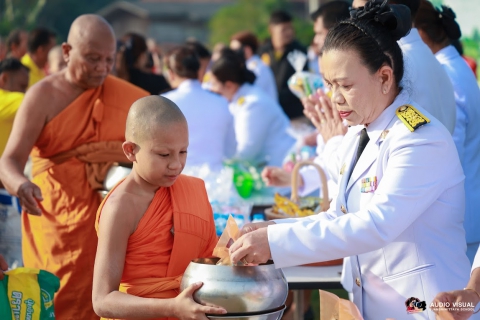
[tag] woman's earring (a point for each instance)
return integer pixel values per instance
(384, 91)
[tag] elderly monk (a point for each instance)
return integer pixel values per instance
(153, 223)
(75, 122)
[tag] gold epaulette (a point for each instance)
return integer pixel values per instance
(411, 117)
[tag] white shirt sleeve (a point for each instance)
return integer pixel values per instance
(476, 262)
(402, 189)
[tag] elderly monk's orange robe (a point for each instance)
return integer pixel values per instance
(68, 159)
(176, 228)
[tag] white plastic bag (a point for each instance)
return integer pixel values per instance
(10, 229)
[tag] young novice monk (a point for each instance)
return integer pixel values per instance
(152, 224)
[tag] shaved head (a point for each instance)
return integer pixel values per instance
(89, 26)
(150, 113)
(89, 51)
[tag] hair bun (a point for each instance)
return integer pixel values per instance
(451, 27)
(396, 18)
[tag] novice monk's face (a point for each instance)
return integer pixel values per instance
(161, 158)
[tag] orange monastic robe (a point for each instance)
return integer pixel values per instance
(176, 228)
(63, 240)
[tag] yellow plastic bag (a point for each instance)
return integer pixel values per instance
(27, 293)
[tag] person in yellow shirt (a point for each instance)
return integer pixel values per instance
(13, 84)
(40, 41)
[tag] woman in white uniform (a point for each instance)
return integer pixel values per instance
(400, 205)
(260, 123)
(210, 124)
(437, 28)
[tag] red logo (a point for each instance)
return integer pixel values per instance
(414, 305)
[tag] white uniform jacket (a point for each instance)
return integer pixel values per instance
(426, 81)
(466, 134)
(265, 78)
(210, 124)
(260, 127)
(405, 237)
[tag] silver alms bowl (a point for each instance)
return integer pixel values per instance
(238, 289)
(271, 315)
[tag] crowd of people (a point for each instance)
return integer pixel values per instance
(394, 128)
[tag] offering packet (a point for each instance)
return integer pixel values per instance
(228, 237)
(27, 293)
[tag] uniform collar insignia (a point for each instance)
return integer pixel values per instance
(342, 170)
(383, 136)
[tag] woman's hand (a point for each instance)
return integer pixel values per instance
(445, 299)
(250, 227)
(251, 248)
(277, 177)
(318, 108)
(186, 308)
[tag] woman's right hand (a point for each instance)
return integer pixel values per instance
(187, 309)
(276, 177)
(30, 195)
(250, 227)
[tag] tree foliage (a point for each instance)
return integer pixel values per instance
(53, 14)
(252, 15)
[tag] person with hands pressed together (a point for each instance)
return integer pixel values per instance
(330, 127)
(153, 223)
(401, 184)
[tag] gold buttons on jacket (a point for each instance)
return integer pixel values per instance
(343, 209)
(357, 281)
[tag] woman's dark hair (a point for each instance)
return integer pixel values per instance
(130, 48)
(438, 24)
(331, 13)
(246, 39)
(372, 32)
(413, 5)
(184, 62)
(231, 67)
(135, 45)
(201, 51)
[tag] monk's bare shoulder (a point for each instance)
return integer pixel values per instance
(124, 207)
(51, 95)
